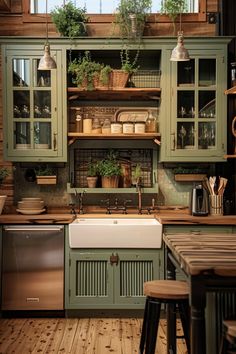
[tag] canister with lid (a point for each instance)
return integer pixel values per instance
(128, 127)
(116, 128)
(139, 127)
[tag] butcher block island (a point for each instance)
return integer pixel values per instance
(208, 261)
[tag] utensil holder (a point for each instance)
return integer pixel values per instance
(216, 205)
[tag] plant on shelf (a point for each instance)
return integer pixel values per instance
(129, 66)
(173, 8)
(4, 172)
(110, 170)
(87, 73)
(131, 16)
(70, 20)
(92, 175)
(46, 175)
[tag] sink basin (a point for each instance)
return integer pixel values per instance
(115, 232)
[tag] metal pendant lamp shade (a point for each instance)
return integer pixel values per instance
(180, 53)
(47, 62)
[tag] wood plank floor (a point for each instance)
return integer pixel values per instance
(77, 336)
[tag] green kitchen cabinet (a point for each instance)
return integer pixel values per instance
(109, 278)
(196, 107)
(33, 105)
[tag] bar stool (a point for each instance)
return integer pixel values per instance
(228, 341)
(175, 294)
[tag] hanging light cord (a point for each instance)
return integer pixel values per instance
(46, 21)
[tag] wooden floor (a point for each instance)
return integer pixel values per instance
(77, 336)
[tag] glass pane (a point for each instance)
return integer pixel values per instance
(21, 72)
(206, 135)
(186, 73)
(42, 135)
(185, 135)
(207, 104)
(99, 6)
(207, 72)
(21, 103)
(22, 135)
(42, 104)
(42, 78)
(185, 104)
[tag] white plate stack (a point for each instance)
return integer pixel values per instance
(31, 206)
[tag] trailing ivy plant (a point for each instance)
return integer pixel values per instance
(127, 64)
(70, 20)
(173, 8)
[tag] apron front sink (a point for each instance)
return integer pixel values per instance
(118, 233)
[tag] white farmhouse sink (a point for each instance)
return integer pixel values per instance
(118, 233)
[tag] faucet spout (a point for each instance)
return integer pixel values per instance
(139, 190)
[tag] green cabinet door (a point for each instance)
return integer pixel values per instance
(90, 279)
(195, 106)
(134, 268)
(33, 107)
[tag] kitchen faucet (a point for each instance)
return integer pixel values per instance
(79, 201)
(139, 190)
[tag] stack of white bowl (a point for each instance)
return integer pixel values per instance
(31, 206)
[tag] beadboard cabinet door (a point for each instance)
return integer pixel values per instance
(33, 106)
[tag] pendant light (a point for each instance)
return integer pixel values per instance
(47, 62)
(180, 53)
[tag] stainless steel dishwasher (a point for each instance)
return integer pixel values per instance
(33, 267)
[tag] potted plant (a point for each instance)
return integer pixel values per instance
(110, 171)
(46, 175)
(173, 8)
(89, 74)
(92, 175)
(4, 172)
(131, 16)
(70, 20)
(129, 66)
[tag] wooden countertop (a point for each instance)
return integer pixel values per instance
(204, 254)
(36, 219)
(164, 217)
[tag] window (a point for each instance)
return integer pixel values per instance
(98, 6)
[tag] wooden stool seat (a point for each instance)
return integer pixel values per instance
(228, 341)
(175, 294)
(166, 289)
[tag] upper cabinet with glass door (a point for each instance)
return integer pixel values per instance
(198, 108)
(33, 110)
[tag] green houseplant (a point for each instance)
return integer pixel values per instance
(92, 175)
(173, 8)
(46, 175)
(110, 171)
(70, 20)
(4, 172)
(131, 16)
(87, 73)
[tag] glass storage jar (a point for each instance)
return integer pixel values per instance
(96, 126)
(116, 128)
(106, 127)
(150, 126)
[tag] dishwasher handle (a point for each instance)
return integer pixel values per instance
(30, 228)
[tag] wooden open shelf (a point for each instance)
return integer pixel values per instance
(145, 136)
(124, 93)
(229, 156)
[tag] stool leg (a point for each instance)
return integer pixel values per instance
(153, 317)
(144, 329)
(185, 320)
(171, 327)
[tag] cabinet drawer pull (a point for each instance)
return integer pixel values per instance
(173, 142)
(114, 259)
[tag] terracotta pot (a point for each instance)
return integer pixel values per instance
(92, 182)
(110, 182)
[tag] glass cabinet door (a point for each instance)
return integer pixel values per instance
(34, 109)
(195, 122)
(32, 105)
